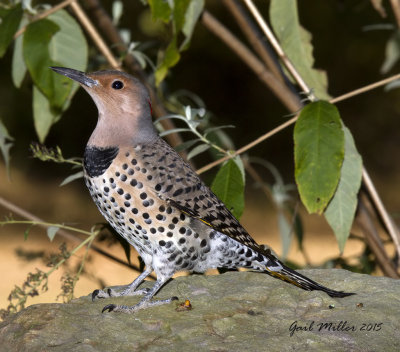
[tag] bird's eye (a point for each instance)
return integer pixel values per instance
(117, 85)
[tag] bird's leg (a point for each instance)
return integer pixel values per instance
(145, 302)
(129, 290)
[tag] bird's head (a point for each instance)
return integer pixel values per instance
(123, 103)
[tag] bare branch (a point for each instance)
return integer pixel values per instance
(396, 10)
(92, 31)
(373, 240)
(389, 224)
(254, 37)
(289, 99)
(67, 235)
(44, 14)
(288, 64)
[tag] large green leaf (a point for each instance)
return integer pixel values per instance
(55, 41)
(340, 211)
(44, 115)
(228, 185)
(160, 10)
(9, 24)
(18, 67)
(68, 46)
(296, 43)
(319, 152)
(179, 14)
(37, 58)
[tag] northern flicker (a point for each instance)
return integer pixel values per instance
(155, 200)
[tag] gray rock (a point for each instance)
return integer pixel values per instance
(236, 311)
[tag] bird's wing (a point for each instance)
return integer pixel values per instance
(212, 212)
(186, 192)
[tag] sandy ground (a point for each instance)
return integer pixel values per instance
(72, 205)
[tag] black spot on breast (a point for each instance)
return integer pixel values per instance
(97, 160)
(177, 192)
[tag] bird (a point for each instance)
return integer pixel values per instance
(156, 201)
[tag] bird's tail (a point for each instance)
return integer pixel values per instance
(289, 275)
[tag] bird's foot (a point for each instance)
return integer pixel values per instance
(97, 294)
(141, 305)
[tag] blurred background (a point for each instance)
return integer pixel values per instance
(348, 44)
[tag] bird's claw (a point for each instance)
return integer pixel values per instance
(109, 307)
(95, 293)
(101, 294)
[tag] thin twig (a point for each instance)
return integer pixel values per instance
(247, 146)
(364, 89)
(396, 10)
(288, 64)
(373, 240)
(254, 36)
(287, 97)
(42, 15)
(391, 228)
(92, 31)
(65, 234)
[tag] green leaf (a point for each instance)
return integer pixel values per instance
(71, 178)
(10, 20)
(160, 10)
(26, 233)
(285, 232)
(192, 15)
(36, 54)
(174, 130)
(68, 48)
(18, 67)
(57, 41)
(228, 185)
(51, 232)
(296, 43)
(392, 52)
(186, 145)
(171, 58)
(178, 13)
(198, 150)
(43, 116)
(319, 152)
(5, 146)
(185, 14)
(340, 211)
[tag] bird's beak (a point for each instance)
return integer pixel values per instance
(75, 75)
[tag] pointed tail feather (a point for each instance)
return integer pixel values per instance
(295, 278)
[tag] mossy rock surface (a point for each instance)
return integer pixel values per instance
(236, 311)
